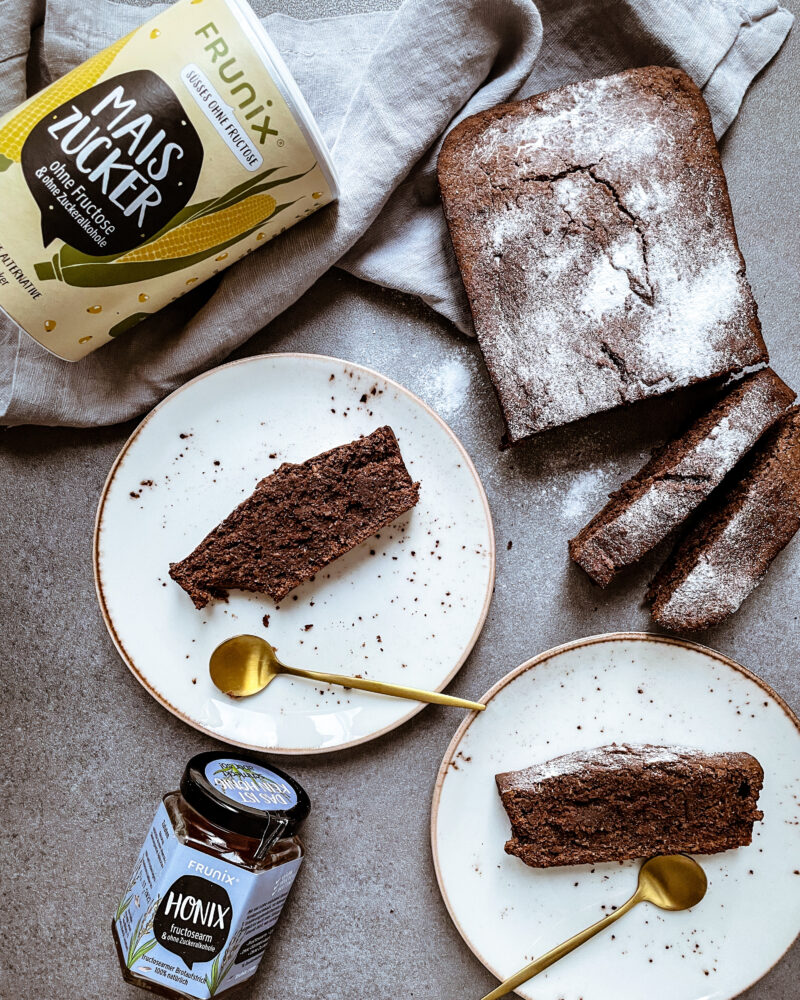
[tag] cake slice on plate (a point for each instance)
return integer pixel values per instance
(728, 552)
(679, 477)
(299, 519)
(620, 802)
(593, 230)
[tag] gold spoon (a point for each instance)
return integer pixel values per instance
(246, 664)
(669, 881)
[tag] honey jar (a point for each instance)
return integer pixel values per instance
(210, 882)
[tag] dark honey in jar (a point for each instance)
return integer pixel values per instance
(213, 875)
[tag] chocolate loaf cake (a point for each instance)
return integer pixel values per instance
(299, 519)
(679, 477)
(616, 803)
(593, 231)
(726, 555)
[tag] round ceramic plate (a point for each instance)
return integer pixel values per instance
(405, 606)
(635, 688)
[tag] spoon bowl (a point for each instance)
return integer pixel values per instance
(672, 882)
(243, 665)
(246, 664)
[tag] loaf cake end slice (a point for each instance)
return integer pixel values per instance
(727, 553)
(679, 477)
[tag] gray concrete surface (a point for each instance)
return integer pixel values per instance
(88, 753)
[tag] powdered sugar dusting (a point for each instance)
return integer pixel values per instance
(734, 434)
(615, 757)
(728, 440)
(760, 516)
(640, 527)
(446, 388)
(714, 587)
(724, 574)
(648, 197)
(607, 290)
(688, 307)
(658, 502)
(582, 493)
(603, 267)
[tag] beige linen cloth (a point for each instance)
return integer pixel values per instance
(385, 88)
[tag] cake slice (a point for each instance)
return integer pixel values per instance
(594, 234)
(727, 553)
(299, 519)
(676, 480)
(619, 802)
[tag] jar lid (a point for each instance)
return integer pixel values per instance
(245, 794)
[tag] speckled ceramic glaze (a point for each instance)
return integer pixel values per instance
(636, 688)
(405, 606)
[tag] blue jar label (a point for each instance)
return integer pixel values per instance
(249, 784)
(193, 922)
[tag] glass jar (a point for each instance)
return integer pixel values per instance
(210, 882)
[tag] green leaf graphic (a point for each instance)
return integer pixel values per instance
(142, 950)
(92, 272)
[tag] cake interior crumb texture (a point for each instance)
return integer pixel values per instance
(593, 230)
(627, 801)
(679, 477)
(728, 552)
(299, 519)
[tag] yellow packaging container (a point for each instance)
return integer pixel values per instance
(161, 160)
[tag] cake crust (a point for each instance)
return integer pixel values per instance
(679, 477)
(593, 230)
(299, 519)
(728, 552)
(620, 802)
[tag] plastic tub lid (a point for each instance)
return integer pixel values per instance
(289, 90)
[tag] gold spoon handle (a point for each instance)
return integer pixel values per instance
(546, 960)
(395, 690)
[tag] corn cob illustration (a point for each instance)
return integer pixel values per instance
(17, 129)
(206, 231)
(196, 233)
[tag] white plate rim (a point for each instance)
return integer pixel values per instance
(534, 661)
(128, 660)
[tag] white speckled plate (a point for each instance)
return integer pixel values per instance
(406, 606)
(637, 688)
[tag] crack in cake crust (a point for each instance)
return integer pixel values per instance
(593, 230)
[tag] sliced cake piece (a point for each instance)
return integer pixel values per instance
(725, 556)
(593, 231)
(299, 519)
(676, 480)
(615, 803)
